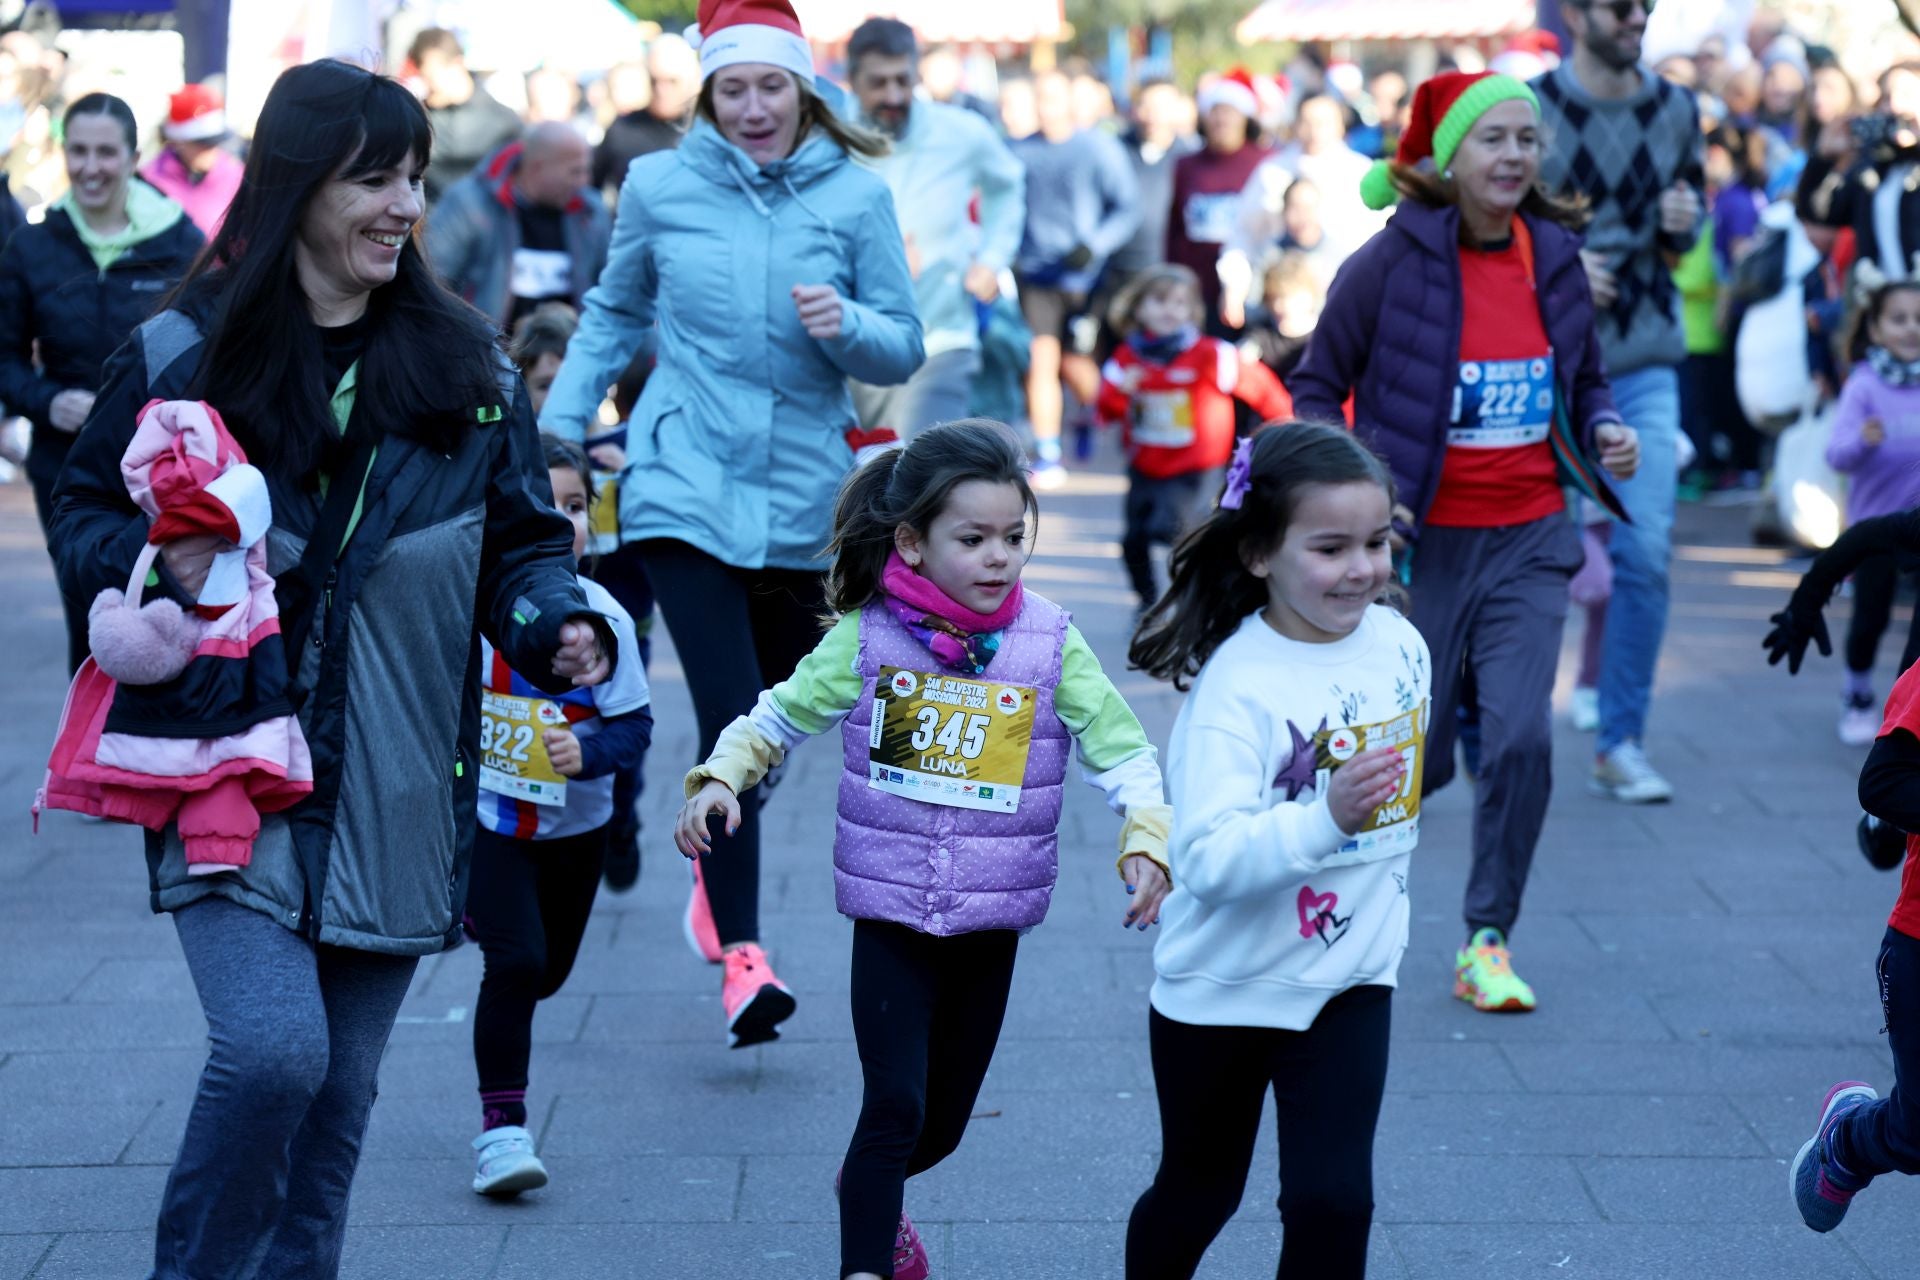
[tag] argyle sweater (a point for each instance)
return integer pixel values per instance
(1621, 154)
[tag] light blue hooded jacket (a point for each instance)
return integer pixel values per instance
(737, 445)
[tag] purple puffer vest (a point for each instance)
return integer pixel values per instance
(937, 868)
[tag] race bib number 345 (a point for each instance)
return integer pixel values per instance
(947, 739)
(513, 748)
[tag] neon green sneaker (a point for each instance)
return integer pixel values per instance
(1484, 976)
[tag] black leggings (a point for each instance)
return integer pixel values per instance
(737, 631)
(1326, 1081)
(926, 1017)
(1874, 584)
(528, 904)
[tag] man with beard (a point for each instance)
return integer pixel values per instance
(1630, 143)
(1880, 198)
(942, 157)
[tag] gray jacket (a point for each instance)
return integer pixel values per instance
(474, 231)
(377, 857)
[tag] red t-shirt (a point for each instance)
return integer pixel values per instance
(1903, 712)
(1499, 467)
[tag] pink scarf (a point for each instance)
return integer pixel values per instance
(962, 639)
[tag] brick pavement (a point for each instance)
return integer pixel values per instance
(1705, 972)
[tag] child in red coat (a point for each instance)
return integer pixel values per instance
(1172, 390)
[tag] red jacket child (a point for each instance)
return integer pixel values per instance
(1177, 410)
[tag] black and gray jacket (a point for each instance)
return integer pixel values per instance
(447, 546)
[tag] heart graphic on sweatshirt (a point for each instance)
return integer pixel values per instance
(1317, 919)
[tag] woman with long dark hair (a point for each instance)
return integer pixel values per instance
(768, 268)
(1464, 333)
(73, 286)
(410, 513)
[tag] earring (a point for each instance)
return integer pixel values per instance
(1447, 174)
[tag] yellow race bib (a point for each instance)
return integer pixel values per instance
(513, 748)
(947, 739)
(1395, 825)
(603, 517)
(1164, 419)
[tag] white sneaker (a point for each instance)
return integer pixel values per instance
(1624, 774)
(1583, 709)
(504, 1163)
(1859, 723)
(1047, 476)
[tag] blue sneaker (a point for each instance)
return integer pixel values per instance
(1823, 1188)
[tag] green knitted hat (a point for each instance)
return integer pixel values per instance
(1444, 111)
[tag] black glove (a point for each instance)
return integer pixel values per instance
(1801, 621)
(1793, 627)
(1078, 258)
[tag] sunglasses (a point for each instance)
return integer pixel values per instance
(1621, 9)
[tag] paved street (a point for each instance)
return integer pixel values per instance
(1705, 971)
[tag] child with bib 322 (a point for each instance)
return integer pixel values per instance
(1294, 769)
(547, 769)
(960, 696)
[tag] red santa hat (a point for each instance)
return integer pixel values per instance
(736, 31)
(195, 114)
(1232, 89)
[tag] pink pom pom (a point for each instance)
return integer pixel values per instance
(148, 645)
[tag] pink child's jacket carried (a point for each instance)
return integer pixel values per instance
(128, 749)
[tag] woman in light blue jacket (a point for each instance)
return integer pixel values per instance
(768, 269)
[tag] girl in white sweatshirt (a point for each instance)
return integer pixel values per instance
(1295, 777)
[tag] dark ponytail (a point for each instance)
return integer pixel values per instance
(1212, 590)
(910, 487)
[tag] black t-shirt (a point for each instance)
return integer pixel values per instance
(542, 270)
(341, 345)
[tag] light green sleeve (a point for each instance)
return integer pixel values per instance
(1115, 752)
(816, 697)
(824, 687)
(1103, 725)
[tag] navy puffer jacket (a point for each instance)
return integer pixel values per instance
(1390, 336)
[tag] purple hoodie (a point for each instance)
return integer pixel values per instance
(1886, 479)
(1390, 335)
(933, 867)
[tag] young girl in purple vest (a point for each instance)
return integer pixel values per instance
(1295, 772)
(957, 692)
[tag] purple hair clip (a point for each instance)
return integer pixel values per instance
(1239, 476)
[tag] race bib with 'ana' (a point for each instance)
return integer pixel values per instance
(1395, 826)
(1502, 404)
(1164, 419)
(948, 739)
(513, 748)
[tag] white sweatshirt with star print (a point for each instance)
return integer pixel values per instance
(1275, 910)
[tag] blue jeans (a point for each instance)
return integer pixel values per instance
(1649, 401)
(295, 1033)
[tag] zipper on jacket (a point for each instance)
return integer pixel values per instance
(326, 610)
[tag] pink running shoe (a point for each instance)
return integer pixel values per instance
(909, 1255)
(756, 1001)
(698, 925)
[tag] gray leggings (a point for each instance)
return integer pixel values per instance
(295, 1033)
